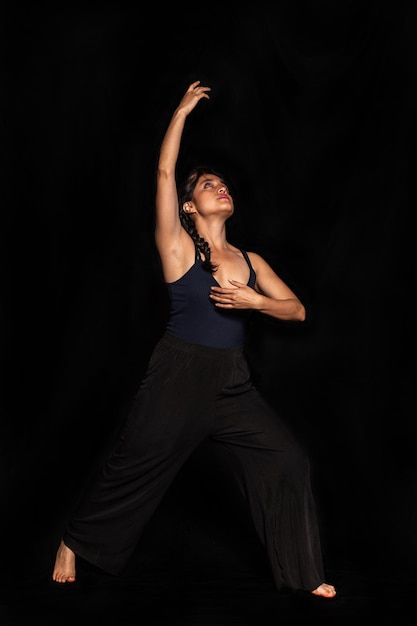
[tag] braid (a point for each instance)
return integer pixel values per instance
(185, 194)
(200, 243)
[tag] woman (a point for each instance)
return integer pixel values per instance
(198, 385)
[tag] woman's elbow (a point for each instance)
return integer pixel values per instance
(301, 313)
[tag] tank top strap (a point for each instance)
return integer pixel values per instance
(247, 259)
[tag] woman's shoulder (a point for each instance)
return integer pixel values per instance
(258, 262)
(254, 256)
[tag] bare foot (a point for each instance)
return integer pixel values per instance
(325, 591)
(64, 570)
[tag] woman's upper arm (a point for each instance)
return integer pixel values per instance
(167, 222)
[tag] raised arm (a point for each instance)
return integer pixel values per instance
(169, 233)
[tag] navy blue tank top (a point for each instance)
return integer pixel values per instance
(193, 315)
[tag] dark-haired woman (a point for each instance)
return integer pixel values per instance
(198, 386)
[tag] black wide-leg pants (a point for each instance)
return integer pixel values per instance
(191, 392)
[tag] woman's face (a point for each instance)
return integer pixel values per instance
(211, 196)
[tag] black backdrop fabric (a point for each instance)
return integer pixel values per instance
(313, 117)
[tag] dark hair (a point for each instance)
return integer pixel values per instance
(185, 194)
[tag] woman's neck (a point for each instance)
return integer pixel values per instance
(214, 234)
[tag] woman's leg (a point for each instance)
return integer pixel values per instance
(167, 420)
(273, 474)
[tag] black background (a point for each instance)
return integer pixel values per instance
(312, 116)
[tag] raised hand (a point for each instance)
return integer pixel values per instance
(192, 96)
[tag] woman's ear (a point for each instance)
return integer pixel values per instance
(188, 207)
